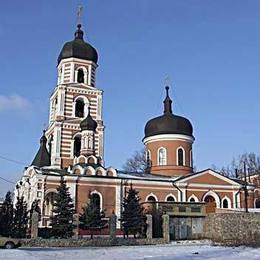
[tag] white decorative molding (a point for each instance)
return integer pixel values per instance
(151, 194)
(171, 195)
(193, 197)
(228, 201)
(100, 196)
(214, 195)
(164, 162)
(168, 137)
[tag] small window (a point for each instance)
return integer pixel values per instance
(170, 199)
(180, 157)
(162, 156)
(225, 204)
(80, 78)
(192, 200)
(77, 146)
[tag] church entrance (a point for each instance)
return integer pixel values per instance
(210, 204)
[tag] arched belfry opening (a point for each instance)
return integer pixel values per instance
(80, 78)
(79, 108)
(77, 146)
(96, 200)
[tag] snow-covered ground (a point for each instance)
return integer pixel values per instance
(164, 252)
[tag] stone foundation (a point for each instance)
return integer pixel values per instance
(235, 229)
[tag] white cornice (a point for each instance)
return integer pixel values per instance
(168, 137)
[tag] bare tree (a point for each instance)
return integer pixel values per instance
(136, 163)
(251, 161)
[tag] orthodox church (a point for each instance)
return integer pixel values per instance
(72, 146)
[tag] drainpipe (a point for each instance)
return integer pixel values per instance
(175, 186)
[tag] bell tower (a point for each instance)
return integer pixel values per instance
(74, 99)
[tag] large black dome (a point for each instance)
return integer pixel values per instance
(168, 123)
(78, 48)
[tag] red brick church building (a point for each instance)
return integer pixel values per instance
(72, 146)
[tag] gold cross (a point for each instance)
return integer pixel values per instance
(79, 14)
(167, 81)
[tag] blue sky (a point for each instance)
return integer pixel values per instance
(209, 49)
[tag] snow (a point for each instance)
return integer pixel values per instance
(164, 252)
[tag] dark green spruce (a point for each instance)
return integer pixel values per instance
(91, 218)
(133, 219)
(20, 219)
(63, 210)
(6, 215)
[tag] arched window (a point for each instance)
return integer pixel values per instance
(79, 108)
(170, 199)
(80, 78)
(96, 200)
(162, 156)
(151, 198)
(225, 204)
(148, 158)
(192, 200)
(77, 146)
(180, 158)
(50, 144)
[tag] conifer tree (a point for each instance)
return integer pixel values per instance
(91, 218)
(63, 210)
(6, 215)
(20, 219)
(133, 219)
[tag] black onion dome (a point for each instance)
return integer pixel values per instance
(42, 158)
(168, 123)
(78, 48)
(88, 123)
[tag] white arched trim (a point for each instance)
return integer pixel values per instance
(86, 105)
(77, 135)
(100, 196)
(171, 195)
(151, 194)
(51, 190)
(177, 155)
(78, 167)
(228, 201)
(92, 157)
(90, 170)
(158, 156)
(85, 71)
(110, 169)
(82, 157)
(101, 170)
(214, 195)
(193, 197)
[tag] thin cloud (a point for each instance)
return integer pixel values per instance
(13, 102)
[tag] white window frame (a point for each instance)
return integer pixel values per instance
(164, 162)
